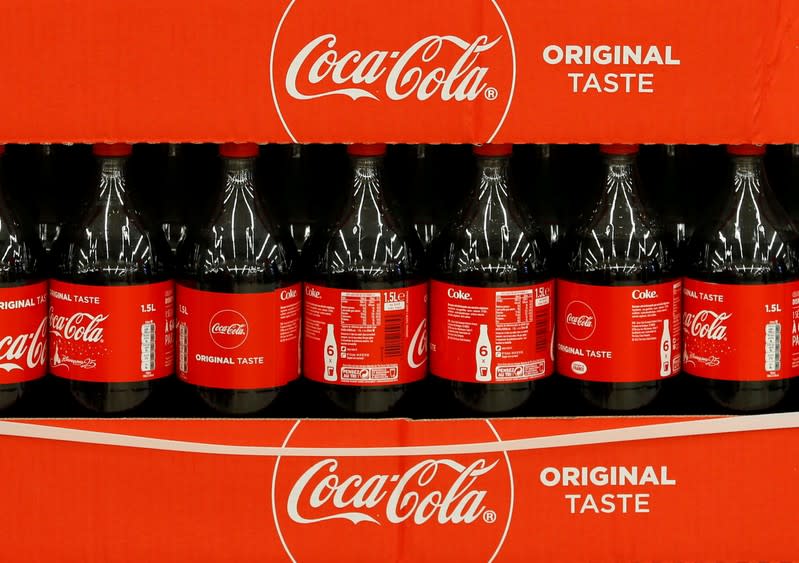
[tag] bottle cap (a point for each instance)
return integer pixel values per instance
(618, 149)
(238, 150)
(746, 150)
(112, 149)
(376, 149)
(493, 150)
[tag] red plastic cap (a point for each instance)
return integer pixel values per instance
(376, 149)
(238, 150)
(112, 149)
(618, 149)
(493, 150)
(746, 150)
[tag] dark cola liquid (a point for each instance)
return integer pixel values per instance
(111, 245)
(21, 264)
(494, 242)
(239, 250)
(367, 247)
(618, 244)
(757, 244)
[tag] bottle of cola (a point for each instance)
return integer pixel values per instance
(619, 299)
(365, 315)
(239, 298)
(23, 305)
(492, 295)
(111, 297)
(741, 294)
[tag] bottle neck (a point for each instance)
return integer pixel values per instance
(112, 186)
(238, 180)
(493, 177)
(366, 187)
(620, 182)
(749, 184)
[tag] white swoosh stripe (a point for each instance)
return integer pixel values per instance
(629, 434)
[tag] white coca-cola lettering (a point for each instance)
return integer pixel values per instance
(580, 320)
(30, 346)
(319, 61)
(417, 352)
(706, 324)
(459, 294)
(359, 498)
(83, 327)
(312, 292)
(287, 294)
(235, 329)
(644, 294)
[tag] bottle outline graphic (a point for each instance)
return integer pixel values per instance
(483, 360)
(331, 355)
(665, 350)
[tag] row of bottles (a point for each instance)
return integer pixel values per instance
(487, 281)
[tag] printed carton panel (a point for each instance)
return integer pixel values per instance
(352, 70)
(589, 489)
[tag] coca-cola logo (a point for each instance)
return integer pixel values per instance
(417, 351)
(459, 294)
(706, 324)
(27, 350)
(288, 294)
(228, 329)
(312, 292)
(365, 78)
(438, 498)
(580, 320)
(78, 327)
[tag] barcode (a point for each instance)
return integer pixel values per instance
(541, 329)
(393, 335)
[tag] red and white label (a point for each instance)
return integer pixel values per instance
(23, 333)
(239, 340)
(491, 335)
(741, 332)
(619, 334)
(358, 337)
(112, 334)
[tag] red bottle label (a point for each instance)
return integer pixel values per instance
(491, 335)
(741, 332)
(619, 334)
(23, 333)
(112, 334)
(239, 340)
(357, 337)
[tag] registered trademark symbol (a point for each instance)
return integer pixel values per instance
(489, 516)
(491, 94)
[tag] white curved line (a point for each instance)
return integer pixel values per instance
(513, 74)
(628, 434)
(512, 495)
(274, 507)
(272, 71)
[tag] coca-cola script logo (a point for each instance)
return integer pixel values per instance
(228, 329)
(417, 351)
(26, 351)
(439, 499)
(364, 79)
(78, 327)
(706, 324)
(580, 320)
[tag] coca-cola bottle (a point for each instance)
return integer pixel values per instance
(111, 297)
(741, 294)
(619, 299)
(23, 305)
(365, 315)
(238, 297)
(492, 295)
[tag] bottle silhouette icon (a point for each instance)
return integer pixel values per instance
(665, 351)
(331, 355)
(482, 355)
